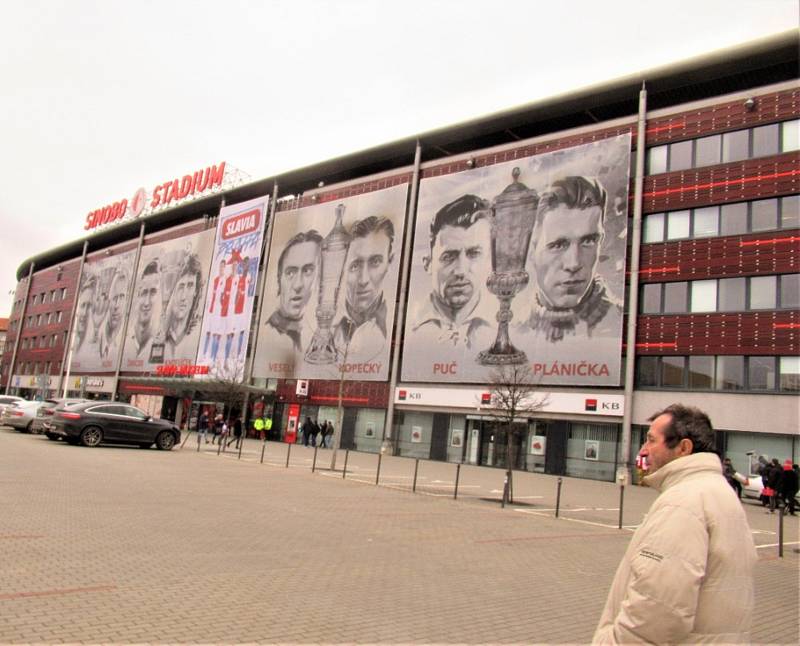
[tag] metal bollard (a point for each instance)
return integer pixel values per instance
(241, 444)
(458, 472)
(219, 446)
(780, 532)
(288, 453)
(263, 448)
(344, 469)
(314, 462)
(505, 492)
(378, 473)
(198, 442)
(621, 501)
(558, 497)
(416, 469)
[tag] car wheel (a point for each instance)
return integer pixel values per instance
(29, 427)
(91, 436)
(165, 440)
(52, 437)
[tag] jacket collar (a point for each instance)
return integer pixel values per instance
(680, 468)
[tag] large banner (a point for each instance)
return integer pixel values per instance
(167, 306)
(521, 262)
(231, 289)
(329, 292)
(97, 328)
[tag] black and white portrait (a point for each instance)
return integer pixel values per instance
(521, 262)
(329, 290)
(166, 309)
(99, 316)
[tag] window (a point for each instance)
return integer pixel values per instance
(730, 373)
(764, 215)
(24, 344)
(790, 135)
(763, 292)
(677, 225)
(651, 298)
(59, 316)
(766, 140)
(654, 227)
(675, 296)
(734, 219)
(704, 296)
(657, 160)
(790, 373)
(761, 373)
(705, 222)
(672, 371)
(790, 212)
(735, 145)
(790, 291)
(708, 150)
(53, 296)
(701, 373)
(732, 293)
(680, 155)
(63, 293)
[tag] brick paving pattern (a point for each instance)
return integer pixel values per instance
(120, 545)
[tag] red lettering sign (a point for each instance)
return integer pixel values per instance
(241, 224)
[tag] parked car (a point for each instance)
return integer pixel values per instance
(19, 415)
(7, 400)
(44, 414)
(92, 423)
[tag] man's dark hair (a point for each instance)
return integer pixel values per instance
(688, 423)
(304, 236)
(150, 268)
(463, 213)
(371, 224)
(574, 192)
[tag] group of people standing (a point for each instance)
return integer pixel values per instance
(220, 429)
(311, 430)
(780, 482)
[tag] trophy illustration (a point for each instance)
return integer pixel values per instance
(513, 216)
(334, 253)
(169, 271)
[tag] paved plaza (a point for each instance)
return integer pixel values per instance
(123, 545)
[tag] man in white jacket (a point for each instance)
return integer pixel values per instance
(687, 576)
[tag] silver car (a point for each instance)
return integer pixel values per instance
(44, 415)
(20, 415)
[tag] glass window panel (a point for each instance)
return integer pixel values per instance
(790, 374)
(730, 373)
(707, 150)
(657, 160)
(765, 140)
(734, 219)
(680, 155)
(790, 212)
(654, 227)
(672, 371)
(763, 290)
(706, 222)
(677, 225)
(704, 296)
(735, 145)
(647, 371)
(764, 215)
(761, 373)
(651, 298)
(701, 372)
(790, 291)
(675, 297)
(732, 293)
(790, 139)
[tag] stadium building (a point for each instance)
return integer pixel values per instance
(627, 246)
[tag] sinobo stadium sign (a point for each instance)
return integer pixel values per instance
(171, 192)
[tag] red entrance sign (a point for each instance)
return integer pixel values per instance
(167, 370)
(291, 424)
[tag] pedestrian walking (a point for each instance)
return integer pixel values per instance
(223, 434)
(730, 474)
(237, 432)
(687, 575)
(307, 428)
(773, 483)
(202, 427)
(329, 434)
(217, 430)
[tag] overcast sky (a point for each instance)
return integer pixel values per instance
(102, 97)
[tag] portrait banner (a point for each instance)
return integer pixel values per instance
(225, 331)
(167, 305)
(330, 289)
(97, 329)
(521, 263)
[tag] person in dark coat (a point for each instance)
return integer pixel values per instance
(774, 478)
(308, 430)
(789, 486)
(237, 432)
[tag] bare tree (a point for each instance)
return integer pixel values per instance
(514, 394)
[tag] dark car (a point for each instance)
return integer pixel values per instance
(44, 414)
(91, 423)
